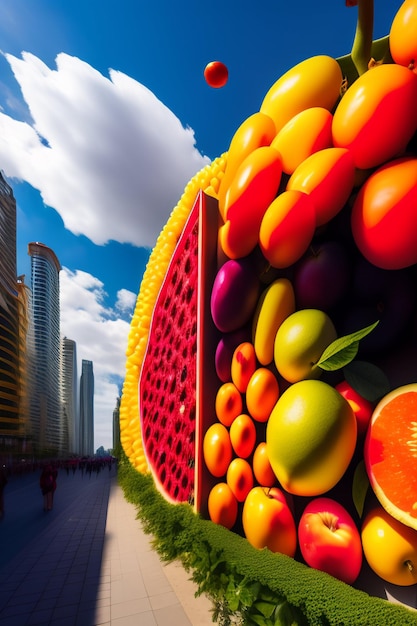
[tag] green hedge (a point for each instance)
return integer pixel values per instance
(249, 586)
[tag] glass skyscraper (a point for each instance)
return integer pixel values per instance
(69, 394)
(87, 409)
(46, 398)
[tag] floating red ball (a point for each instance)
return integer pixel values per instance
(216, 74)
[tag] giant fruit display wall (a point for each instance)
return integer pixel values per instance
(271, 376)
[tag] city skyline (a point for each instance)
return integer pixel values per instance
(104, 118)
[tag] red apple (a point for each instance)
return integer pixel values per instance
(216, 74)
(329, 540)
(362, 407)
(268, 521)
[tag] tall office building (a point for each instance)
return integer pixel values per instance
(13, 417)
(70, 395)
(116, 424)
(46, 399)
(87, 409)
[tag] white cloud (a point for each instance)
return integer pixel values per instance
(112, 160)
(126, 301)
(100, 336)
(105, 153)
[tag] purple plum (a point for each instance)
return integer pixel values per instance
(234, 295)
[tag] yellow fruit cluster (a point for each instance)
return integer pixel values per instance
(207, 180)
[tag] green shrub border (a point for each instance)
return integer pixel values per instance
(248, 586)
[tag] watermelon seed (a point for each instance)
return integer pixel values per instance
(189, 294)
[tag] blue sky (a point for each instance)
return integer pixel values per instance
(105, 116)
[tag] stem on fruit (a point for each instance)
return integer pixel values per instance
(329, 520)
(362, 43)
(409, 565)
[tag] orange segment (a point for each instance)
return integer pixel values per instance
(391, 453)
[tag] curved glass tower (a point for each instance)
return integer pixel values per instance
(46, 402)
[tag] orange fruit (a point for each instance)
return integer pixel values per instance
(228, 403)
(262, 394)
(243, 365)
(390, 453)
(262, 469)
(222, 505)
(240, 478)
(403, 35)
(243, 435)
(217, 449)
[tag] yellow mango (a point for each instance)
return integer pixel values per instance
(305, 133)
(276, 303)
(315, 82)
(256, 131)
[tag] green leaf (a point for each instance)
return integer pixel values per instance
(338, 359)
(265, 608)
(259, 620)
(367, 379)
(287, 615)
(343, 350)
(360, 485)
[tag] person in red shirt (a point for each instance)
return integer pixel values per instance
(47, 484)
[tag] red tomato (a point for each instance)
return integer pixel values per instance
(376, 117)
(403, 35)
(384, 215)
(216, 74)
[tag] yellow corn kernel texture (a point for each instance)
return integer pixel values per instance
(208, 180)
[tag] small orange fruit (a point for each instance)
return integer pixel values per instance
(262, 394)
(262, 469)
(222, 505)
(243, 365)
(217, 449)
(240, 478)
(228, 404)
(243, 435)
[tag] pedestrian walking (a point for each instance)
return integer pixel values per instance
(47, 484)
(3, 483)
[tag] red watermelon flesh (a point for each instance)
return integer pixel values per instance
(169, 385)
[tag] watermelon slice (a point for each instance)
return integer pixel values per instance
(171, 406)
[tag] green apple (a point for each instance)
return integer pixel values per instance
(310, 437)
(299, 343)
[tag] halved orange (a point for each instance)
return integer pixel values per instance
(390, 453)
